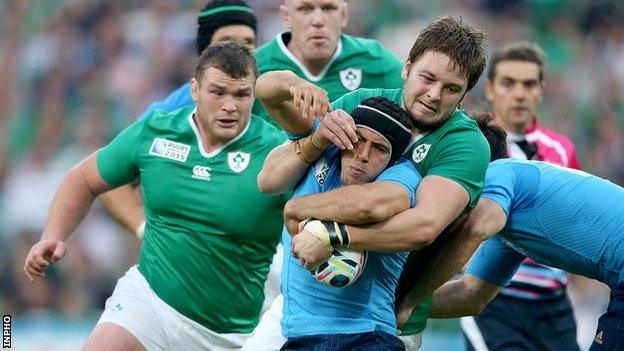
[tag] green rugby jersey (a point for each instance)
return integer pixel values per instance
(457, 150)
(356, 63)
(210, 234)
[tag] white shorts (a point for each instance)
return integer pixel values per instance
(136, 308)
(268, 333)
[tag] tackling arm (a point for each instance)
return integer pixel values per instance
(291, 101)
(439, 201)
(351, 204)
(287, 164)
(448, 254)
(465, 297)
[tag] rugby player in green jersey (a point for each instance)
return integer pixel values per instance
(315, 49)
(448, 149)
(217, 21)
(210, 233)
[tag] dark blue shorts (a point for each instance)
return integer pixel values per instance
(610, 332)
(512, 324)
(372, 341)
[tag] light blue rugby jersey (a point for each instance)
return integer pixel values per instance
(312, 308)
(564, 218)
(181, 97)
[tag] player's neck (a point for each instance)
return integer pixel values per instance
(208, 140)
(314, 66)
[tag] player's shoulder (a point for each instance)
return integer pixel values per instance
(162, 121)
(500, 164)
(369, 51)
(461, 120)
(271, 56)
(461, 125)
(267, 48)
(350, 100)
(264, 133)
(510, 167)
(366, 46)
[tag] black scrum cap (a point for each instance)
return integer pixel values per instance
(388, 119)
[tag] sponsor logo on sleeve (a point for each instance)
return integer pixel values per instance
(238, 160)
(321, 168)
(169, 149)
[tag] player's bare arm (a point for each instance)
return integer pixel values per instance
(282, 169)
(437, 204)
(375, 202)
(126, 208)
(439, 201)
(286, 165)
(291, 101)
(464, 297)
(72, 201)
(351, 204)
(450, 252)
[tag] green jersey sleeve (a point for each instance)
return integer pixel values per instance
(116, 161)
(463, 156)
(393, 78)
(349, 101)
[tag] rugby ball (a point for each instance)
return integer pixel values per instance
(342, 268)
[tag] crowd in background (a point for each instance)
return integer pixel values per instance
(73, 73)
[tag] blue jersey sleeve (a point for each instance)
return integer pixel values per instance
(495, 262)
(178, 98)
(294, 136)
(405, 174)
(499, 185)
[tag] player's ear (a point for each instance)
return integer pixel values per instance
(284, 14)
(344, 15)
(406, 69)
(194, 89)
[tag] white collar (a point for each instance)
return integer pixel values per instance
(200, 145)
(309, 76)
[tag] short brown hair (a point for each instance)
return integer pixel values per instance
(465, 45)
(520, 51)
(234, 59)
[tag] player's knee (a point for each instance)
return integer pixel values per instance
(112, 337)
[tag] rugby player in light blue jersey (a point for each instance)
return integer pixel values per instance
(316, 316)
(563, 218)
